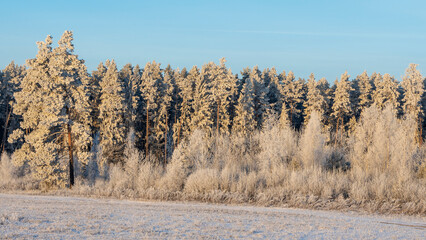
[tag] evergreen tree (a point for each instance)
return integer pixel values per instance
(186, 85)
(95, 96)
(223, 83)
(274, 90)
(386, 91)
(113, 130)
(244, 121)
(341, 105)
(202, 101)
(11, 78)
(130, 78)
(261, 101)
(162, 124)
(292, 91)
(151, 91)
(314, 100)
(365, 91)
(54, 105)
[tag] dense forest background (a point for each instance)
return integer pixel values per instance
(207, 133)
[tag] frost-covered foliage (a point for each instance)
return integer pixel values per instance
(55, 109)
(210, 135)
(112, 128)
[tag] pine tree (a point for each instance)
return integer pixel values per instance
(54, 105)
(112, 108)
(342, 105)
(413, 91)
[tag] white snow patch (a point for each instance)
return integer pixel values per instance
(53, 217)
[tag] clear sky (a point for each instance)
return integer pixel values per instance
(323, 37)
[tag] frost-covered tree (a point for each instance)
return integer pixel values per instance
(162, 123)
(244, 121)
(112, 108)
(292, 92)
(202, 101)
(274, 89)
(130, 78)
(341, 105)
(314, 99)
(55, 109)
(365, 91)
(95, 96)
(223, 83)
(151, 91)
(11, 78)
(186, 84)
(312, 152)
(413, 86)
(383, 143)
(261, 101)
(386, 91)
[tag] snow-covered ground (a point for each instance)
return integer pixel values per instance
(52, 217)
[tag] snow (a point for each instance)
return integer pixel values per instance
(54, 217)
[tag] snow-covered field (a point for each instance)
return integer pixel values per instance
(52, 217)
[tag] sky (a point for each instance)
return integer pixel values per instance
(326, 38)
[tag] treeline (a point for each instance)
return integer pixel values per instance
(55, 116)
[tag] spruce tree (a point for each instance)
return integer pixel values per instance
(112, 108)
(202, 101)
(292, 92)
(186, 84)
(244, 121)
(223, 83)
(151, 94)
(261, 101)
(314, 100)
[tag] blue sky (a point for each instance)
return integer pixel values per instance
(323, 37)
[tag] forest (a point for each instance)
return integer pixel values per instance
(208, 134)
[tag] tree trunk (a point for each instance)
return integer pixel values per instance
(217, 118)
(5, 130)
(337, 131)
(165, 143)
(147, 130)
(178, 136)
(342, 128)
(70, 151)
(420, 124)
